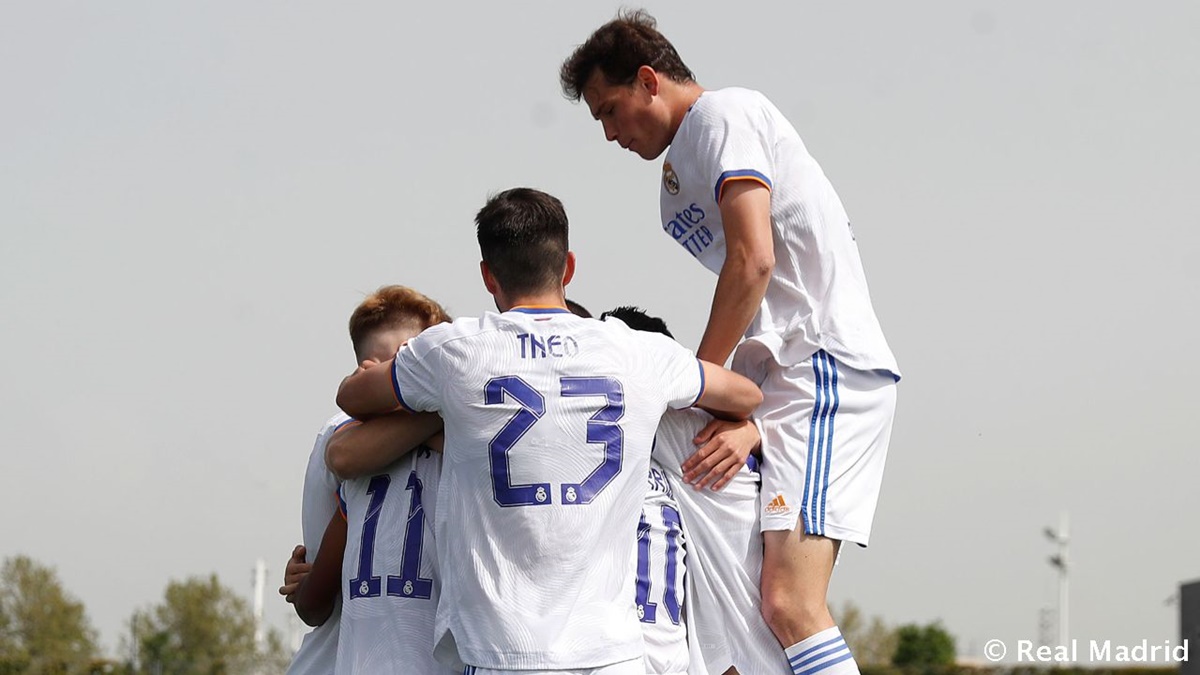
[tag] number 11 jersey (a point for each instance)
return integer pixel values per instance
(549, 423)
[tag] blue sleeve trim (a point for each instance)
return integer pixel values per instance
(701, 365)
(396, 388)
(342, 502)
(343, 424)
(740, 173)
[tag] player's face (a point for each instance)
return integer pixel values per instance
(383, 344)
(632, 114)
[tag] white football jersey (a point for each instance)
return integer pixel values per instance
(318, 651)
(817, 297)
(389, 572)
(549, 422)
(724, 561)
(661, 570)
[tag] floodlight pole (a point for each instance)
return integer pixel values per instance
(1061, 562)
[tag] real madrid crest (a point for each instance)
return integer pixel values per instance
(670, 180)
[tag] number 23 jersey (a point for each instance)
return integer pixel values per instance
(549, 423)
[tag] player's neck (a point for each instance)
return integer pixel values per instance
(533, 300)
(680, 97)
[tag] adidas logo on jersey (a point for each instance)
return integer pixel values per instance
(778, 506)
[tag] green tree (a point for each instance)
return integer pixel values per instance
(923, 646)
(871, 640)
(201, 628)
(42, 628)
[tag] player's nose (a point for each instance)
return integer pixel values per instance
(610, 131)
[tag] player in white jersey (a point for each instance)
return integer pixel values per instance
(741, 193)
(724, 553)
(549, 424)
(384, 518)
(661, 569)
(318, 650)
(389, 572)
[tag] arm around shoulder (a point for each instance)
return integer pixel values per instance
(362, 448)
(726, 394)
(368, 390)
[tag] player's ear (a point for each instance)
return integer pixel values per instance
(489, 281)
(648, 78)
(569, 272)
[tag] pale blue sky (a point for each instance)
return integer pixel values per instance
(194, 197)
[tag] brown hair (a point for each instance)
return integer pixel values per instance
(391, 306)
(618, 49)
(522, 236)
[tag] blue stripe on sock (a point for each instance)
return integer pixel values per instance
(836, 649)
(825, 665)
(806, 652)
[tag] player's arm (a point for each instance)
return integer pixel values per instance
(722, 449)
(726, 394)
(749, 260)
(369, 390)
(317, 594)
(363, 448)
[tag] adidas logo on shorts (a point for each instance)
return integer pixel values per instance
(778, 506)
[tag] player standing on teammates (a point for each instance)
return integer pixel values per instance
(741, 194)
(349, 636)
(549, 424)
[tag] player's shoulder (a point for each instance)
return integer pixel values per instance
(731, 103)
(334, 423)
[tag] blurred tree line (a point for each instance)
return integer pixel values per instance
(199, 628)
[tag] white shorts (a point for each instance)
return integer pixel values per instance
(825, 430)
(633, 667)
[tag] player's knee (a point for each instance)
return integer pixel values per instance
(792, 616)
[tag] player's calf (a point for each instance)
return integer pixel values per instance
(795, 580)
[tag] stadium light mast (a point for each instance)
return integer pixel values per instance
(260, 585)
(1060, 562)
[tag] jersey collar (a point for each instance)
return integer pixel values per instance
(540, 309)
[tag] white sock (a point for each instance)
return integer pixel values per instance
(825, 653)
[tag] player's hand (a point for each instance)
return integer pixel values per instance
(294, 573)
(723, 449)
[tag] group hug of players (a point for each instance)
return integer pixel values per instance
(539, 491)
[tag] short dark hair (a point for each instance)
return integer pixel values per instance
(637, 319)
(618, 49)
(578, 309)
(523, 239)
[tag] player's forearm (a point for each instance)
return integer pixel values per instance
(368, 391)
(728, 395)
(362, 449)
(318, 591)
(740, 290)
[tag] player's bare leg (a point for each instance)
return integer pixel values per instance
(795, 580)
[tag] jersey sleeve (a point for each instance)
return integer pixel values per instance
(734, 144)
(679, 370)
(415, 376)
